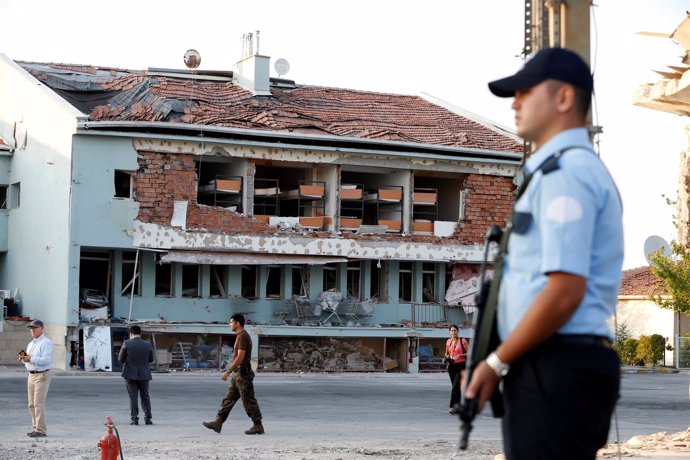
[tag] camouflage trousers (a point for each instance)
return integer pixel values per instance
(241, 386)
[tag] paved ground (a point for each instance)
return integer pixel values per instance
(308, 416)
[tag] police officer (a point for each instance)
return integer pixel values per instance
(561, 274)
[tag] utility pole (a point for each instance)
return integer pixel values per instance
(559, 23)
(563, 23)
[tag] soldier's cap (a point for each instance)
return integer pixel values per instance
(549, 63)
(35, 323)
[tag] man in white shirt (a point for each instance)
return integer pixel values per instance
(38, 359)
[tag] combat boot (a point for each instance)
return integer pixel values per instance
(258, 428)
(215, 425)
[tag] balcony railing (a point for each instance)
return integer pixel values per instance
(439, 315)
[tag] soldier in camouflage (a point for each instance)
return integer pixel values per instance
(241, 381)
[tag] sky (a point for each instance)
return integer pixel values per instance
(448, 49)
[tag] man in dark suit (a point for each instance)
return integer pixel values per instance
(135, 355)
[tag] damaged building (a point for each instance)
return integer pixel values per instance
(671, 94)
(347, 226)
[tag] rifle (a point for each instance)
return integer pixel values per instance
(485, 338)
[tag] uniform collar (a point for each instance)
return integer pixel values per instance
(574, 137)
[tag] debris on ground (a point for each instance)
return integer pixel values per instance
(675, 442)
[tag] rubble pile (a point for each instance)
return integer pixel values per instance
(292, 355)
(676, 442)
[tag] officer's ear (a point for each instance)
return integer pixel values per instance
(564, 97)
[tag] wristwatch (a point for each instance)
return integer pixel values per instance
(498, 366)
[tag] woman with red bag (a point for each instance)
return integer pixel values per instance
(456, 353)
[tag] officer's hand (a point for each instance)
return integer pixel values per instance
(224, 376)
(483, 384)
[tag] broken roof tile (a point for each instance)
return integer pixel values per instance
(122, 95)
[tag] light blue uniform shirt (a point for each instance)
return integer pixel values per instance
(575, 227)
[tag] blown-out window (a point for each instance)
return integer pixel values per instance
(249, 281)
(190, 280)
(164, 284)
(300, 280)
(353, 280)
(131, 271)
(329, 277)
(273, 282)
(429, 282)
(124, 184)
(405, 282)
(219, 277)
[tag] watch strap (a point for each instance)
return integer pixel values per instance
(498, 366)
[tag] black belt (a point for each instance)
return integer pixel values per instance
(573, 339)
(38, 372)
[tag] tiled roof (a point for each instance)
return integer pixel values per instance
(108, 94)
(641, 281)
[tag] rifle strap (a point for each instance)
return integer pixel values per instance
(549, 165)
(485, 334)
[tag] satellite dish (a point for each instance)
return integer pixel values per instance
(282, 66)
(192, 59)
(652, 244)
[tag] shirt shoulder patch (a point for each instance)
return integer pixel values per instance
(564, 209)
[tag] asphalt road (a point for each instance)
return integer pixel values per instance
(356, 411)
(652, 403)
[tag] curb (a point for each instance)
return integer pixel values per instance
(631, 370)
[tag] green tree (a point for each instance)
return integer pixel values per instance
(658, 348)
(627, 352)
(674, 274)
(644, 351)
(622, 332)
(650, 350)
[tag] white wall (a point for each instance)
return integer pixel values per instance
(644, 317)
(37, 260)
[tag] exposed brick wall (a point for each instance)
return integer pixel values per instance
(163, 179)
(489, 201)
(218, 220)
(160, 181)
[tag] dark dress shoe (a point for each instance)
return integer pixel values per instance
(134, 422)
(37, 434)
(149, 422)
(30, 433)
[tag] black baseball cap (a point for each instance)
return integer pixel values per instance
(35, 323)
(549, 63)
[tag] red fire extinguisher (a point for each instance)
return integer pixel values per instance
(109, 443)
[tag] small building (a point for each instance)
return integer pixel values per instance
(642, 316)
(334, 219)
